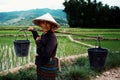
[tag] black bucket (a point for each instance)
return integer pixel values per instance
(97, 56)
(22, 47)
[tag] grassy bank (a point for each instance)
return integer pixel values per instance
(79, 70)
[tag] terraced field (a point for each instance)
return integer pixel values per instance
(66, 47)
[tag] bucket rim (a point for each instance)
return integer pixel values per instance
(98, 49)
(21, 41)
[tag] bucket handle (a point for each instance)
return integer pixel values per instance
(98, 43)
(19, 32)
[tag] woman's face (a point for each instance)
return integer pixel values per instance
(45, 26)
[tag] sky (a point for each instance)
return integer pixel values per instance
(17, 5)
(111, 2)
(13, 5)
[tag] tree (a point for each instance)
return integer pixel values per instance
(82, 13)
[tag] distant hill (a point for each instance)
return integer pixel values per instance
(24, 18)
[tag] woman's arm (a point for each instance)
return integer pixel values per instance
(35, 34)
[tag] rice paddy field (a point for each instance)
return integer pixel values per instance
(66, 47)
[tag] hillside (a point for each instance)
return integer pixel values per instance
(24, 18)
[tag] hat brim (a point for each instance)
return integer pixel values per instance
(38, 21)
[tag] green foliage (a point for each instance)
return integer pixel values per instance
(89, 13)
(67, 48)
(80, 70)
(76, 73)
(9, 76)
(24, 74)
(111, 45)
(82, 61)
(113, 60)
(29, 74)
(110, 37)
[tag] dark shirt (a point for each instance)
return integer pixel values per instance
(46, 47)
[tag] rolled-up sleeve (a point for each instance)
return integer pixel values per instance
(35, 34)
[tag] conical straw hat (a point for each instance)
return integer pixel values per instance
(46, 17)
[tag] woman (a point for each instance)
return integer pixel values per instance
(46, 46)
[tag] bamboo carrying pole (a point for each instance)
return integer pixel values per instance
(96, 37)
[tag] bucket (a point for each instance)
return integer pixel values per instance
(21, 47)
(97, 57)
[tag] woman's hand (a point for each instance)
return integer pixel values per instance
(30, 29)
(38, 38)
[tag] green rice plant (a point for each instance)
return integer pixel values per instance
(8, 32)
(67, 48)
(105, 36)
(13, 32)
(9, 76)
(9, 59)
(113, 60)
(106, 33)
(23, 74)
(73, 72)
(79, 70)
(76, 73)
(4, 59)
(111, 45)
(83, 61)
(90, 30)
(1, 55)
(13, 57)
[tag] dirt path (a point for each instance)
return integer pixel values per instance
(112, 74)
(88, 45)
